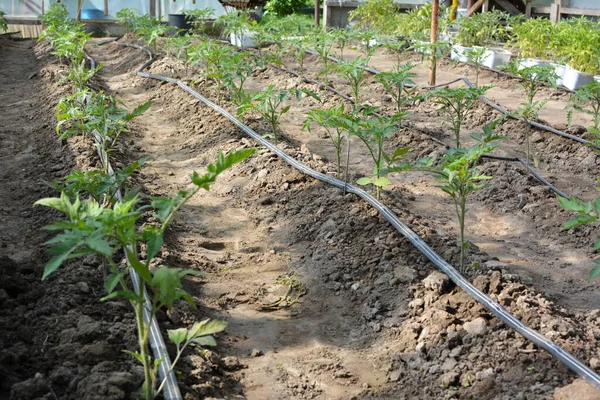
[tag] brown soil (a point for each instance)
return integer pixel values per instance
(366, 316)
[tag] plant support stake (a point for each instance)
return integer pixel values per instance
(434, 33)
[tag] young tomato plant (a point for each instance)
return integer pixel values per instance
(587, 100)
(477, 56)
(238, 68)
(399, 84)
(335, 121)
(198, 19)
(373, 132)
(269, 104)
(588, 213)
(99, 185)
(91, 112)
(91, 228)
(532, 80)
(459, 178)
(324, 43)
(457, 104)
(355, 74)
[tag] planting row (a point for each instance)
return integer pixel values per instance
(229, 69)
(100, 221)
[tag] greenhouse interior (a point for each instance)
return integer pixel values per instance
(299, 199)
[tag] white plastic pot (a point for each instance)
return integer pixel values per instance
(496, 57)
(245, 40)
(530, 62)
(459, 53)
(574, 79)
(559, 70)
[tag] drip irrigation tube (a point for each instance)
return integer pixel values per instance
(157, 344)
(535, 174)
(541, 341)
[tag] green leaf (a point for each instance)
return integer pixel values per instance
(112, 281)
(580, 220)
(597, 244)
(56, 262)
(206, 327)
(138, 267)
(97, 243)
(135, 355)
(595, 271)
(364, 181)
(126, 294)
(154, 240)
(177, 336)
(139, 110)
(382, 181)
(205, 341)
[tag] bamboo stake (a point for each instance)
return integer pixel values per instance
(434, 32)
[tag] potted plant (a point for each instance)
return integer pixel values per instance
(235, 24)
(531, 37)
(482, 30)
(179, 20)
(582, 46)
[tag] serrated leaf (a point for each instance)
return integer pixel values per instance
(112, 281)
(206, 327)
(154, 240)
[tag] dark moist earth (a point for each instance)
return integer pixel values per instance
(323, 298)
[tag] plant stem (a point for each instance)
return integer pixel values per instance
(463, 202)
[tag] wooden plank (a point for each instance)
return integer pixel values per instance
(354, 4)
(568, 11)
(152, 8)
(475, 7)
(555, 13)
(508, 7)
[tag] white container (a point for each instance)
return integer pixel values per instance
(530, 62)
(459, 53)
(245, 40)
(559, 70)
(496, 57)
(574, 79)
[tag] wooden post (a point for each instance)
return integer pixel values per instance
(474, 8)
(152, 8)
(317, 13)
(79, 6)
(486, 6)
(105, 8)
(528, 8)
(555, 12)
(434, 31)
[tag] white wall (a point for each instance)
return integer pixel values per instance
(591, 4)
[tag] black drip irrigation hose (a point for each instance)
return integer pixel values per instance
(497, 310)
(157, 344)
(535, 174)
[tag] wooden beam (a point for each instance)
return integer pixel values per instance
(567, 11)
(474, 8)
(555, 12)
(508, 7)
(152, 8)
(486, 6)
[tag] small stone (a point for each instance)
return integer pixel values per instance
(477, 327)
(449, 379)
(416, 303)
(578, 390)
(481, 375)
(595, 363)
(231, 362)
(263, 173)
(256, 353)
(355, 286)
(82, 287)
(395, 375)
(437, 282)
